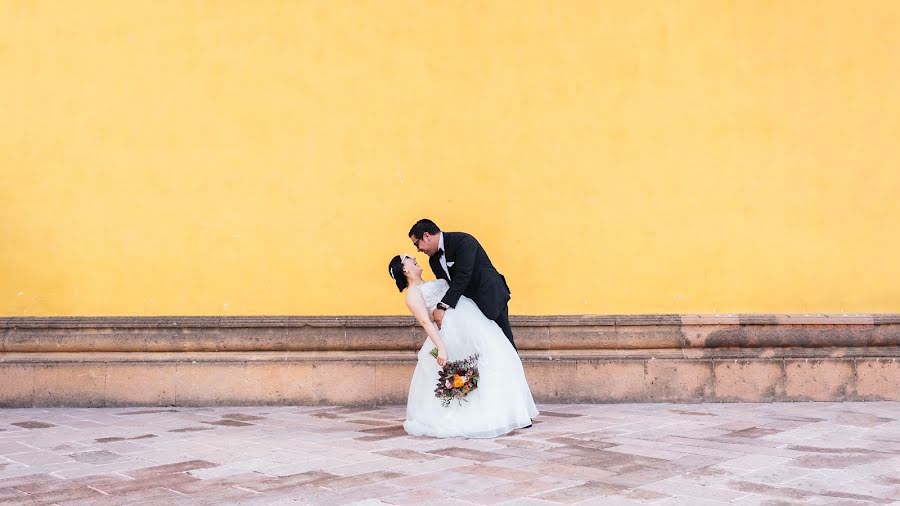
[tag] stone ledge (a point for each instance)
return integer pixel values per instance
(356, 360)
(373, 382)
(392, 333)
(408, 321)
(528, 356)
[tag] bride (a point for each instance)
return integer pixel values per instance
(501, 403)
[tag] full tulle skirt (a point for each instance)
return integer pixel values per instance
(501, 403)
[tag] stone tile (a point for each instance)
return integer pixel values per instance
(677, 380)
(503, 473)
(96, 457)
(34, 487)
(355, 378)
(231, 469)
(465, 453)
(176, 467)
(219, 495)
(720, 449)
(345, 482)
(69, 385)
(696, 462)
(13, 482)
(818, 453)
(191, 429)
(776, 475)
(302, 466)
(640, 476)
(375, 423)
(644, 451)
(861, 419)
(685, 490)
(524, 443)
(202, 486)
(749, 380)
(13, 447)
(569, 472)
(210, 384)
(771, 491)
(392, 382)
(557, 414)
(543, 374)
(146, 384)
(361, 467)
(18, 385)
(33, 425)
(416, 496)
(117, 439)
(62, 496)
(526, 453)
(441, 479)
(514, 462)
(139, 497)
(230, 423)
(402, 454)
(243, 417)
(38, 458)
(581, 451)
(432, 466)
(583, 492)
(706, 477)
(819, 380)
(612, 381)
(147, 411)
(306, 479)
(502, 493)
(751, 462)
(577, 441)
(877, 379)
(839, 461)
(10, 494)
(694, 501)
(753, 432)
(117, 487)
(364, 495)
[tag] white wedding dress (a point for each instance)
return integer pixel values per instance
(501, 403)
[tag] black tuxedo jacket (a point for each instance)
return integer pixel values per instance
(471, 274)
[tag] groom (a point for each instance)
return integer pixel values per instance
(458, 258)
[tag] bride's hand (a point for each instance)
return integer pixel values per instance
(442, 357)
(438, 317)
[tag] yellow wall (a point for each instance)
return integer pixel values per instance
(244, 157)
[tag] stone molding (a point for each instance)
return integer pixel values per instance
(408, 321)
(235, 360)
(400, 333)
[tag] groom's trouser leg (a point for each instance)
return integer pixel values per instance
(503, 321)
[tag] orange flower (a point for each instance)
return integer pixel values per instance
(458, 381)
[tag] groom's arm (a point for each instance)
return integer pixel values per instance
(462, 270)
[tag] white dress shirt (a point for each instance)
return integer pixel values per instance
(444, 257)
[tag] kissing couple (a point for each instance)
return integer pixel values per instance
(465, 315)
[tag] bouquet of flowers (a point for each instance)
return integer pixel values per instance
(456, 379)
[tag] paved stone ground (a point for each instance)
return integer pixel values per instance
(804, 453)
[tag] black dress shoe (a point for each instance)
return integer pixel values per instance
(528, 426)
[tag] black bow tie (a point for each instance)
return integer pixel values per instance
(439, 253)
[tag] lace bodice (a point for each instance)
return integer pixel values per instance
(433, 292)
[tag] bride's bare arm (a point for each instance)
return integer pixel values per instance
(416, 304)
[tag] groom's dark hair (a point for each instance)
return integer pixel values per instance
(422, 226)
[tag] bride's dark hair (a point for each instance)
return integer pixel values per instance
(395, 269)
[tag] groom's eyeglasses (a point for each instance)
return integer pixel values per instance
(416, 243)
